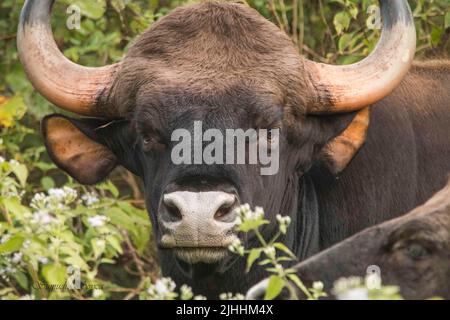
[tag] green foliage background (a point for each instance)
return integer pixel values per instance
(331, 31)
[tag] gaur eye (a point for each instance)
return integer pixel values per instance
(147, 143)
(151, 142)
(416, 251)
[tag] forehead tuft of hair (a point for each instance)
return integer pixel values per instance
(210, 48)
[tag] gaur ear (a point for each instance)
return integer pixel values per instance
(339, 152)
(75, 147)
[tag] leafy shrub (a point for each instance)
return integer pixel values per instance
(40, 240)
(110, 239)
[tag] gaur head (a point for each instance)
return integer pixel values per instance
(411, 252)
(226, 66)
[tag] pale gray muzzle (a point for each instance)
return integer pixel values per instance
(198, 225)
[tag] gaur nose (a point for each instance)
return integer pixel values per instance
(198, 207)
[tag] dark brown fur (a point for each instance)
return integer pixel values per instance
(209, 49)
(412, 252)
(226, 65)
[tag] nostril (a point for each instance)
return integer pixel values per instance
(171, 213)
(226, 212)
(222, 212)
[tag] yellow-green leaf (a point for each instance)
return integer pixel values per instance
(54, 274)
(252, 257)
(12, 245)
(11, 110)
(276, 284)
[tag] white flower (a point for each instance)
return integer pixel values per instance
(270, 252)
(186, 292)
(283, 223)
(238, 221)
(65, 194)
(162, 289)
(259, 211)
(318, 285)
(2, 159)
(42, 218)
(56, 193)
(71, 194)
(17, 257)
(43, 260)
(90, 199)
(97, 293)
(343, 285)
(237, 247)
(98, 221)
(354, 294)
(14, 162)
(5, 238)
(10, 270)
(246, 214)
(39, 200)
(101, 244)
(279, 268)
(230, 296)
(164, 286)
(26, 244)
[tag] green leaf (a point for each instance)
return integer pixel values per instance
(109, 186)
(97, 248)
(21, 279)
(276, 284)
(447, 20)
(93, 9)
(296, 280)
(54, 274)
(11, 110)
(115, 243)
(354, 12)
(77, 261)
(12, 245)
(120, 218)
(252, 257)
(435, 35)
(118, 5)
(285, 249)
(341, 21)
(47, 183)
(344, 42)
(13, 205)
(21, 172)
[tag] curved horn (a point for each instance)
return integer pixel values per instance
(352, 87)
(68, 85)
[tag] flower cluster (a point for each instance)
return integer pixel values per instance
(245, 214)
(357, 288)
(90, 199)
(248, 220)
(283, 223)
(237, 247)
(231, 296)
(56, 198)
(98, 221)
(164, 289)
(41, 239)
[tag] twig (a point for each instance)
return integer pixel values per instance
(134, 255)
(8, 37)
